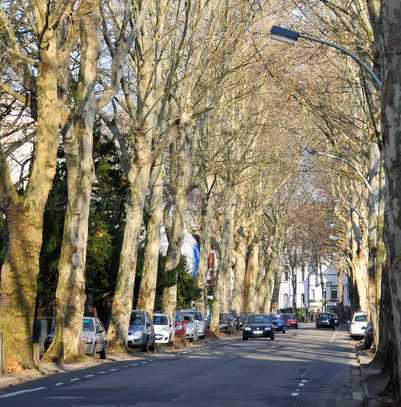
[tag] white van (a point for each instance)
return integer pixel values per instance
(358, 325)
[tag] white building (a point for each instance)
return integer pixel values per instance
(316, 288)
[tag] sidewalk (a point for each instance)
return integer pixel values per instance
(373, 380)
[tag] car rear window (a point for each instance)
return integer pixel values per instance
(361, 318)
(291, 316)
(136, 318)
(87, 325)
(160, 320)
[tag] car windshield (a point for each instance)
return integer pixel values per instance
(87, 325)
(198, 316)
(325, 316)
(160, 320)
(258, 319)
(361, 318)
(277, 317)
(291, 316)
(136, 319)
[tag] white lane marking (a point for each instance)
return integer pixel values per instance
(333, 336)
(59, 384)
(294, 394)
(150, 360)
(134, 364)
(75, 379)
(16, 393)
(102, 372)
(303, 380)
(89, 375)
(301, 384)
(306, 371)
(184, 353)
(113, 370)
(143, 363)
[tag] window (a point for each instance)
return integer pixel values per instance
(303, 298)
(285, 275)
(334, 294)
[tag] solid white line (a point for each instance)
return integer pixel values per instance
(75, 379)
(89, 375)
(16, 393)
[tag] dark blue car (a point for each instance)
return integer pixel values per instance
(278, 322)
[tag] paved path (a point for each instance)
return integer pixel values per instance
(304, 367)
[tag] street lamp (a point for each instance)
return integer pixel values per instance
(291, 37)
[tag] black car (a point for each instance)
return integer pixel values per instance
(258, 326)
(368, 337)
(325, 320)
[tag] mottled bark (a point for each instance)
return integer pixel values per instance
(138, 179)
(147, 290)
(180, 178)
(251, 275)
(391, 127)
(24, 214)
(78, 149)
(240, 268)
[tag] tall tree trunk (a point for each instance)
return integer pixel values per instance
(147, 290)
(251, 275)
(276, 289)
(138, 179)
(78, 148)
(204, 249)
(240, 268)
(391, 127)
(24, 215)
(181, 172)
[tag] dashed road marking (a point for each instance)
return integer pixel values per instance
(113, 370)
(89, 375)
(143, 363)
(295, 394)
(75, 379)
(102, 372)
(17, 393)
(134, 364)
(59, 384)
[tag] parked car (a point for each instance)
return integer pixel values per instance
(278, 322)
(141, 332)
(199, 320)
(325, 320)
(227, 323)
(358, 325)
(93, 334)
(191, 332)
(258, 326)
(179, 325)
(163, 328)
(95, 337)
(291, 321)
(368, 337)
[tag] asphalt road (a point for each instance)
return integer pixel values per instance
(304, 367)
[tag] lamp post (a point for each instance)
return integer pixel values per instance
(291, 37)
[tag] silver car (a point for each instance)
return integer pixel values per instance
(199, 320)
(94, 336)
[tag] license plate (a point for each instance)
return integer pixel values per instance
(257, 332)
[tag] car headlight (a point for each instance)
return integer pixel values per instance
(267, 328)
(247, 328)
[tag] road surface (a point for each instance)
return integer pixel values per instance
(304, 367)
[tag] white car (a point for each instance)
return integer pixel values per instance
(198, 319)
(358, 325)
(163, 328)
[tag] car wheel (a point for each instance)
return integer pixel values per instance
(152, 347)
(145, 347)
(244, 338)
(103, 353)
(272, 337)
(283, 331)
(296, 326)
(93, 353)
